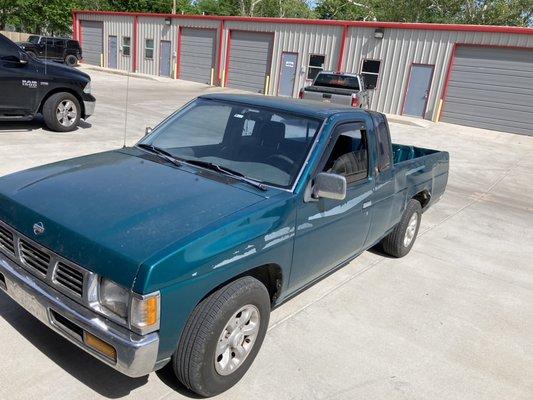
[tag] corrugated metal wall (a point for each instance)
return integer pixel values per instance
(301, 39)
(155, 28)
(398, 49)
(118, 26)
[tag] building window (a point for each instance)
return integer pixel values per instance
(370, 71)
(126, 46)
(316, 65)
(149, 48)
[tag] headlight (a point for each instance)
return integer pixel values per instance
(87, 88)
(139, 312)
(114, 297)
(145, 312)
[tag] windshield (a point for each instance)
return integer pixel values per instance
(33, 39)
(337, 81)
(261, 144)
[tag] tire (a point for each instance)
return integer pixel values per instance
(71, 60)
(400, 241)
(31, 54)
(58, 120)
(198, 364)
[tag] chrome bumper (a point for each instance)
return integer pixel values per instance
(89, 108)
(136, 355)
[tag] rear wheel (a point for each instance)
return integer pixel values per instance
(62, 112)
(400, 241)
(71, 60)
(222, 337)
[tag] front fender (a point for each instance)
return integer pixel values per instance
(251, 238)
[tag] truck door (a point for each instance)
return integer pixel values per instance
(329, 232)
(18, 81)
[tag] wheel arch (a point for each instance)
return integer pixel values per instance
(270, 275)
(62, 90)
(423, 197)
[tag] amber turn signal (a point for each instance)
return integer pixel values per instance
(100, 346)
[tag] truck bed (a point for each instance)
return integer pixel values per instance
(418, 169)
(403, 152)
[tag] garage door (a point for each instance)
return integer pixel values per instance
(92, 41)
(197, 54)
(250, 56)
(491, 88)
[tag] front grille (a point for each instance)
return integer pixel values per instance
(34, 257)
(69, 277)
(51, 268)
(7, 241)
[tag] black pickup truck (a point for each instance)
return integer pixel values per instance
(64, 50)
(29, 86)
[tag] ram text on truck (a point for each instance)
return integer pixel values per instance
(175, 250)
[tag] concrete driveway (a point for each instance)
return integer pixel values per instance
(452, 320)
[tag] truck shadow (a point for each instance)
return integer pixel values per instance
(35, 124)
(89, 371)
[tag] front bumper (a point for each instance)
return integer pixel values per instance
(89, 108)
(89, 104)
(135, 355)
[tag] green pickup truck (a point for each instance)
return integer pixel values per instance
(176, 250)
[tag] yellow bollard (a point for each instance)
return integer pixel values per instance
(267, 84)
(439, 109)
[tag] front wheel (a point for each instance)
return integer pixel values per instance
(71, 60)
(62, 112)
(222, 337)
(400, 241)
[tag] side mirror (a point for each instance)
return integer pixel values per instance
(23, 58)
(329, 186)
(20, 58)
(147, 130)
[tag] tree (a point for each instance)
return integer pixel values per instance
(284, 9)
(495, 12)
(217, 7)
(7, 8)
(483, 12)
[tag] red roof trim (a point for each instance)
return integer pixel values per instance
(367, 24)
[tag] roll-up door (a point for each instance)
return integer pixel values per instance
(92, 38)
(491, 88)
(197, 55)
(250, 57)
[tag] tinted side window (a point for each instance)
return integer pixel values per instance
(7, 47)
(349, 155)
(384, 144)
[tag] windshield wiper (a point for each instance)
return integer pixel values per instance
(226, 171)
(160, 152)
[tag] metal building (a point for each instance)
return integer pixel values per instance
(478, 76)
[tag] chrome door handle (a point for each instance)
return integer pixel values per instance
(367, 204)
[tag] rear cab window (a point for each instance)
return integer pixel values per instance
(383, 142)
(337, 81)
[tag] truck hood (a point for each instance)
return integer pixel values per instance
(62, 71)
(109, 212)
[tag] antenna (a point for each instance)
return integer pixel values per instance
(126, 112)
(45, 55)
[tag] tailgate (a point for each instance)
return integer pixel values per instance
(336, 98)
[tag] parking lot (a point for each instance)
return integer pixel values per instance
(452, 320)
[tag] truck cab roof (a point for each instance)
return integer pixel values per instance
(308, 108)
